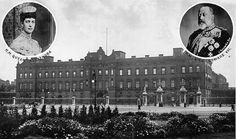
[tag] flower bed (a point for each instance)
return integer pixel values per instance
(49, 127)
(113, 125)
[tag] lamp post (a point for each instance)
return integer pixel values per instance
(94, 82)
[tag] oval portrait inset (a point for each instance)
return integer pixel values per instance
(29, 29)
(206, 30)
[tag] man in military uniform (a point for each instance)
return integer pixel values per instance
(210, 39)
(24, 44)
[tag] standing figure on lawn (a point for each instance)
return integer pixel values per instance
(139, 103)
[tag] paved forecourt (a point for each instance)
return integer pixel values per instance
(200, 111)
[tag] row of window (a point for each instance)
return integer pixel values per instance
(190, 69)
(154, 70)
(60, 74)
(121, 84)
(121, 72)
(161, 83)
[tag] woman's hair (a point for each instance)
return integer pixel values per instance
(28, 12)
(23, 16)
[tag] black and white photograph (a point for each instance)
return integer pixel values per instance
(211, 30)
(117, 69)
(29, 29)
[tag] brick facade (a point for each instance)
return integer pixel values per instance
(116, 76)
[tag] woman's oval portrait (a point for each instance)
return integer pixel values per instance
(29, 29)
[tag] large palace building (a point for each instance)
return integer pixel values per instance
(118, 77)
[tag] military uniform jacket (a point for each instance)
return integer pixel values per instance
(208, 42)
(25, 45)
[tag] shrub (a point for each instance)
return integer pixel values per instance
(120, 127)
(141, 113)
(189, 125)
(128, 114)
(90, 114)
(60, 111)
(13, 112)
(43, 111)
(53, 112)
(153, 116)
(24, 115)
(34, 112)
(3, 111)
(24, 112)
(136, 126)
(173, 126)
(76, 113)
(142, 127)
(231, 117)
(9, 121)
(16, 113)
(190, 117)
(127, 125)
(108, 113)
(221, 121)
(7, 126)
(83, 115)
(227, 128)
(94, 132)
(68, 113)
(175, 113)
(115, 112)
(49, 127)
(164, 116)
(97, 116)
(103, 115)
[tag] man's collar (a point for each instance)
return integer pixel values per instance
(210, 27)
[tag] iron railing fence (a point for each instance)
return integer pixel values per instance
(211, 101)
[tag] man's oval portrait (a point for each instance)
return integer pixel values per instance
(29, 29)
(206, 30)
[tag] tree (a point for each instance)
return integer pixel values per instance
(68, 113)
(103, 114)
(34, 112)
(10, 112)
(24, 112)
(76, 113)
(43, 111)
(115, 112)
(16, 113)
(83, 114)
(60, 111)
(97, 115)
(53, 112)
(108, 113)
(3, 87)
(90, 114)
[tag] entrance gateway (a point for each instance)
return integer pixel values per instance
(172, 98)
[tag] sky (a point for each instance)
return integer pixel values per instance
(137, 27)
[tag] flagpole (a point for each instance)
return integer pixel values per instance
(106, 39)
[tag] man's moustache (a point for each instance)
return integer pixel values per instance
(201, 22)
